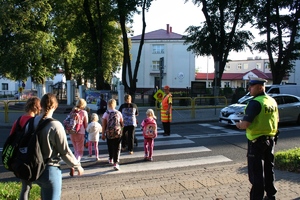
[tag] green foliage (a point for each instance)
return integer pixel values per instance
(288, 160)
(227, 91)
(222, 31)
(281, 31)
(240, 91)
(11, 191)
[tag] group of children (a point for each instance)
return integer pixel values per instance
(148, 125)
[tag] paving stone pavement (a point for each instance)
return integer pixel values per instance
(211, 182)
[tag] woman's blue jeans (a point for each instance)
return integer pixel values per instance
(50, 182)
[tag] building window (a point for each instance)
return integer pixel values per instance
(267, 65)
(155, 65)
(158, 49)
(258, 65)
(239, 66)
(4, 86)
(226, 84)
(227, 67)
(245, 66)
(209, 84)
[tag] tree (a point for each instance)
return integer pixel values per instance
(279, 21)
(104, 37)
(26, 41)
(125, 11)
(222, 31)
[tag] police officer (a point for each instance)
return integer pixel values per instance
(261, 124)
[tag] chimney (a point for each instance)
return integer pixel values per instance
(168, 28)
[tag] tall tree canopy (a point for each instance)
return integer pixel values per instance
(26, 41)
(222, 31)
(82, 37)
(279, 22)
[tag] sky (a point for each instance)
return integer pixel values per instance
(180, 16)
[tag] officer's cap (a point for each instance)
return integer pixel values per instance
(255, 80)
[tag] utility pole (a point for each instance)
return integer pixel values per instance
(161, 70)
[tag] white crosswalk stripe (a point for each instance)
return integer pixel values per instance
(161, 141)
(144, 166)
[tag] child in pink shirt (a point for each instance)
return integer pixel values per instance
(149, 132)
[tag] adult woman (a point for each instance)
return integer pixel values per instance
(112, 134)
(54, 146)
(129, 111)
(78, 138)
(32, 108)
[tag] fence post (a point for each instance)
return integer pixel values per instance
(193, 108)
(5, 112)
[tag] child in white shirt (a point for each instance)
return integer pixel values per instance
(94, 129)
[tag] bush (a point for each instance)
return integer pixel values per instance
(288, 160)
(227, 91)
(11, 191)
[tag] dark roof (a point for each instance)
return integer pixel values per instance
(234, 76)
(160, 34)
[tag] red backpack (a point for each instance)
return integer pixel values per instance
(73, 122)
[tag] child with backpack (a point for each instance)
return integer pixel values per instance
(78, 137)
(54, 147)
(93, 129)
(149, 132)
(112, 123)
(32, 108)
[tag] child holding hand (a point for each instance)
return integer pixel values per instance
(94, 128)
(149, 132)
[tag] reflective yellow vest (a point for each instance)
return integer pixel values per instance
(164, 106)
(266, 122)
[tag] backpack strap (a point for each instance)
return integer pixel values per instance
(42, 123)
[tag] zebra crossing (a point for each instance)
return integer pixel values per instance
(181, 143)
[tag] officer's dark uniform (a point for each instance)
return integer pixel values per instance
(262, 112)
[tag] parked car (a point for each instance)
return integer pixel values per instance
(288, 107)
(16, 96)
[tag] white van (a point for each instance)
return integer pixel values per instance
(278, 89)
(283, 89)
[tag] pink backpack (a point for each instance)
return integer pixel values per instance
(73, 122)
(149, 128)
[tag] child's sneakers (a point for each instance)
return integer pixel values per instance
(116, 166)
(145, 157)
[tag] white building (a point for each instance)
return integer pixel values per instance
(11, 87)
(237, 73)
(179, 64)
(295, 76)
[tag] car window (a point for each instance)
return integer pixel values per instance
(274, 91)
(288, 99)
(246, 101)
(279, 100)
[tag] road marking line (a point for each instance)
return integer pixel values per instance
(140, 154)
(146, 166)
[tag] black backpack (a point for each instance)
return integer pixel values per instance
(27, 161)
(11, 144)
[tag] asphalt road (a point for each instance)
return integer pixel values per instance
(221, 140)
